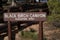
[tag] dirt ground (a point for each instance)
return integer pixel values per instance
(49, 32)
(35, 27)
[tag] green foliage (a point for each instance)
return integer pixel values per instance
(32, 30)
(54, 6)
(45, 39)
(27, 35)
(53, 17)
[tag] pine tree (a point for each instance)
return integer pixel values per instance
(2, 2)
(54, 6)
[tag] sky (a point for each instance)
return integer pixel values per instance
(42, 0)
(37, 0)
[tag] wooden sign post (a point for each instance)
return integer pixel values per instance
(40, 34)
(9, 31)
(25, 16)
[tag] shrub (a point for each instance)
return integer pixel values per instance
(54, 19)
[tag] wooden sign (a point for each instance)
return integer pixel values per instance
(25, 16)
